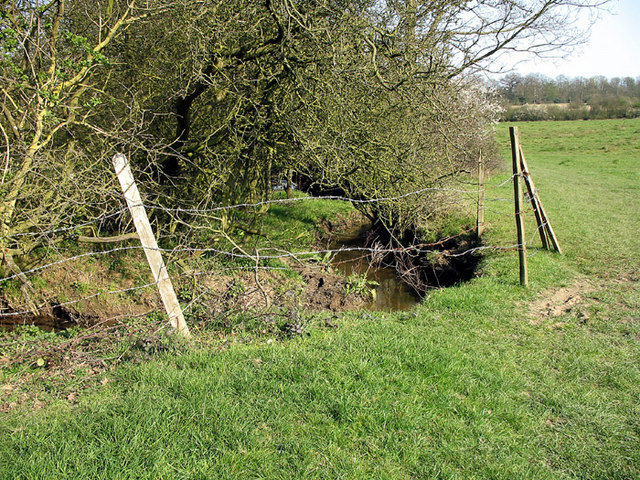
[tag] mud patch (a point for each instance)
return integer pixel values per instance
(56, 316)
(572, 300)
(316, 289)
(327, 291)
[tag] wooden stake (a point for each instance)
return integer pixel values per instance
(148, 240)
(480, 225)
(540, 208)
(517, 193)
(533, 198)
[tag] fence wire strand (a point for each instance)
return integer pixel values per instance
(263, 254)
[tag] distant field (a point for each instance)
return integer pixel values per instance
(482, 380)
(552, 111)
(541, 106)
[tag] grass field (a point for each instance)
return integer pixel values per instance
(483, 380)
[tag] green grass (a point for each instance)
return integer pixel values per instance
(464, 386)
(289, 226)
(284, 222)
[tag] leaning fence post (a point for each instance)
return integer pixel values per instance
(544, 225)
(517, 193)
(149, 244)
(480, 224)
(533, 198)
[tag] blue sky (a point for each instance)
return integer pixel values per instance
(613, 49)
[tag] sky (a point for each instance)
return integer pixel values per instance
(613, 49)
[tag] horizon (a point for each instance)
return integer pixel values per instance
(568, 77)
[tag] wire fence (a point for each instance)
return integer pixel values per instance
(257, 257)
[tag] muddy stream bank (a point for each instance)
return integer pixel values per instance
(391, 293)
(423, 267)
(340, 288)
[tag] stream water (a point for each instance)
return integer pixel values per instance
(392, 294)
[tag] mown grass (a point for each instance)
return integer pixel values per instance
(468, 385)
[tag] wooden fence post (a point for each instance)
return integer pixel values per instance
(480, 225)
(517, 191)
(148, 240)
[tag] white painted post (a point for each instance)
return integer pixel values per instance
(148, 240)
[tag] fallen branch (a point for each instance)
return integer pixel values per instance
(114, 239)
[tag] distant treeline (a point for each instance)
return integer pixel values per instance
(536, 97)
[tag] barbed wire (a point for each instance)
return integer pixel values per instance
(254, 258)
(246, 256)
(70, 259)
(142, 287)
(325, 197)
(266, 253)
(202, 211)
(293, 255)
(74, 227)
